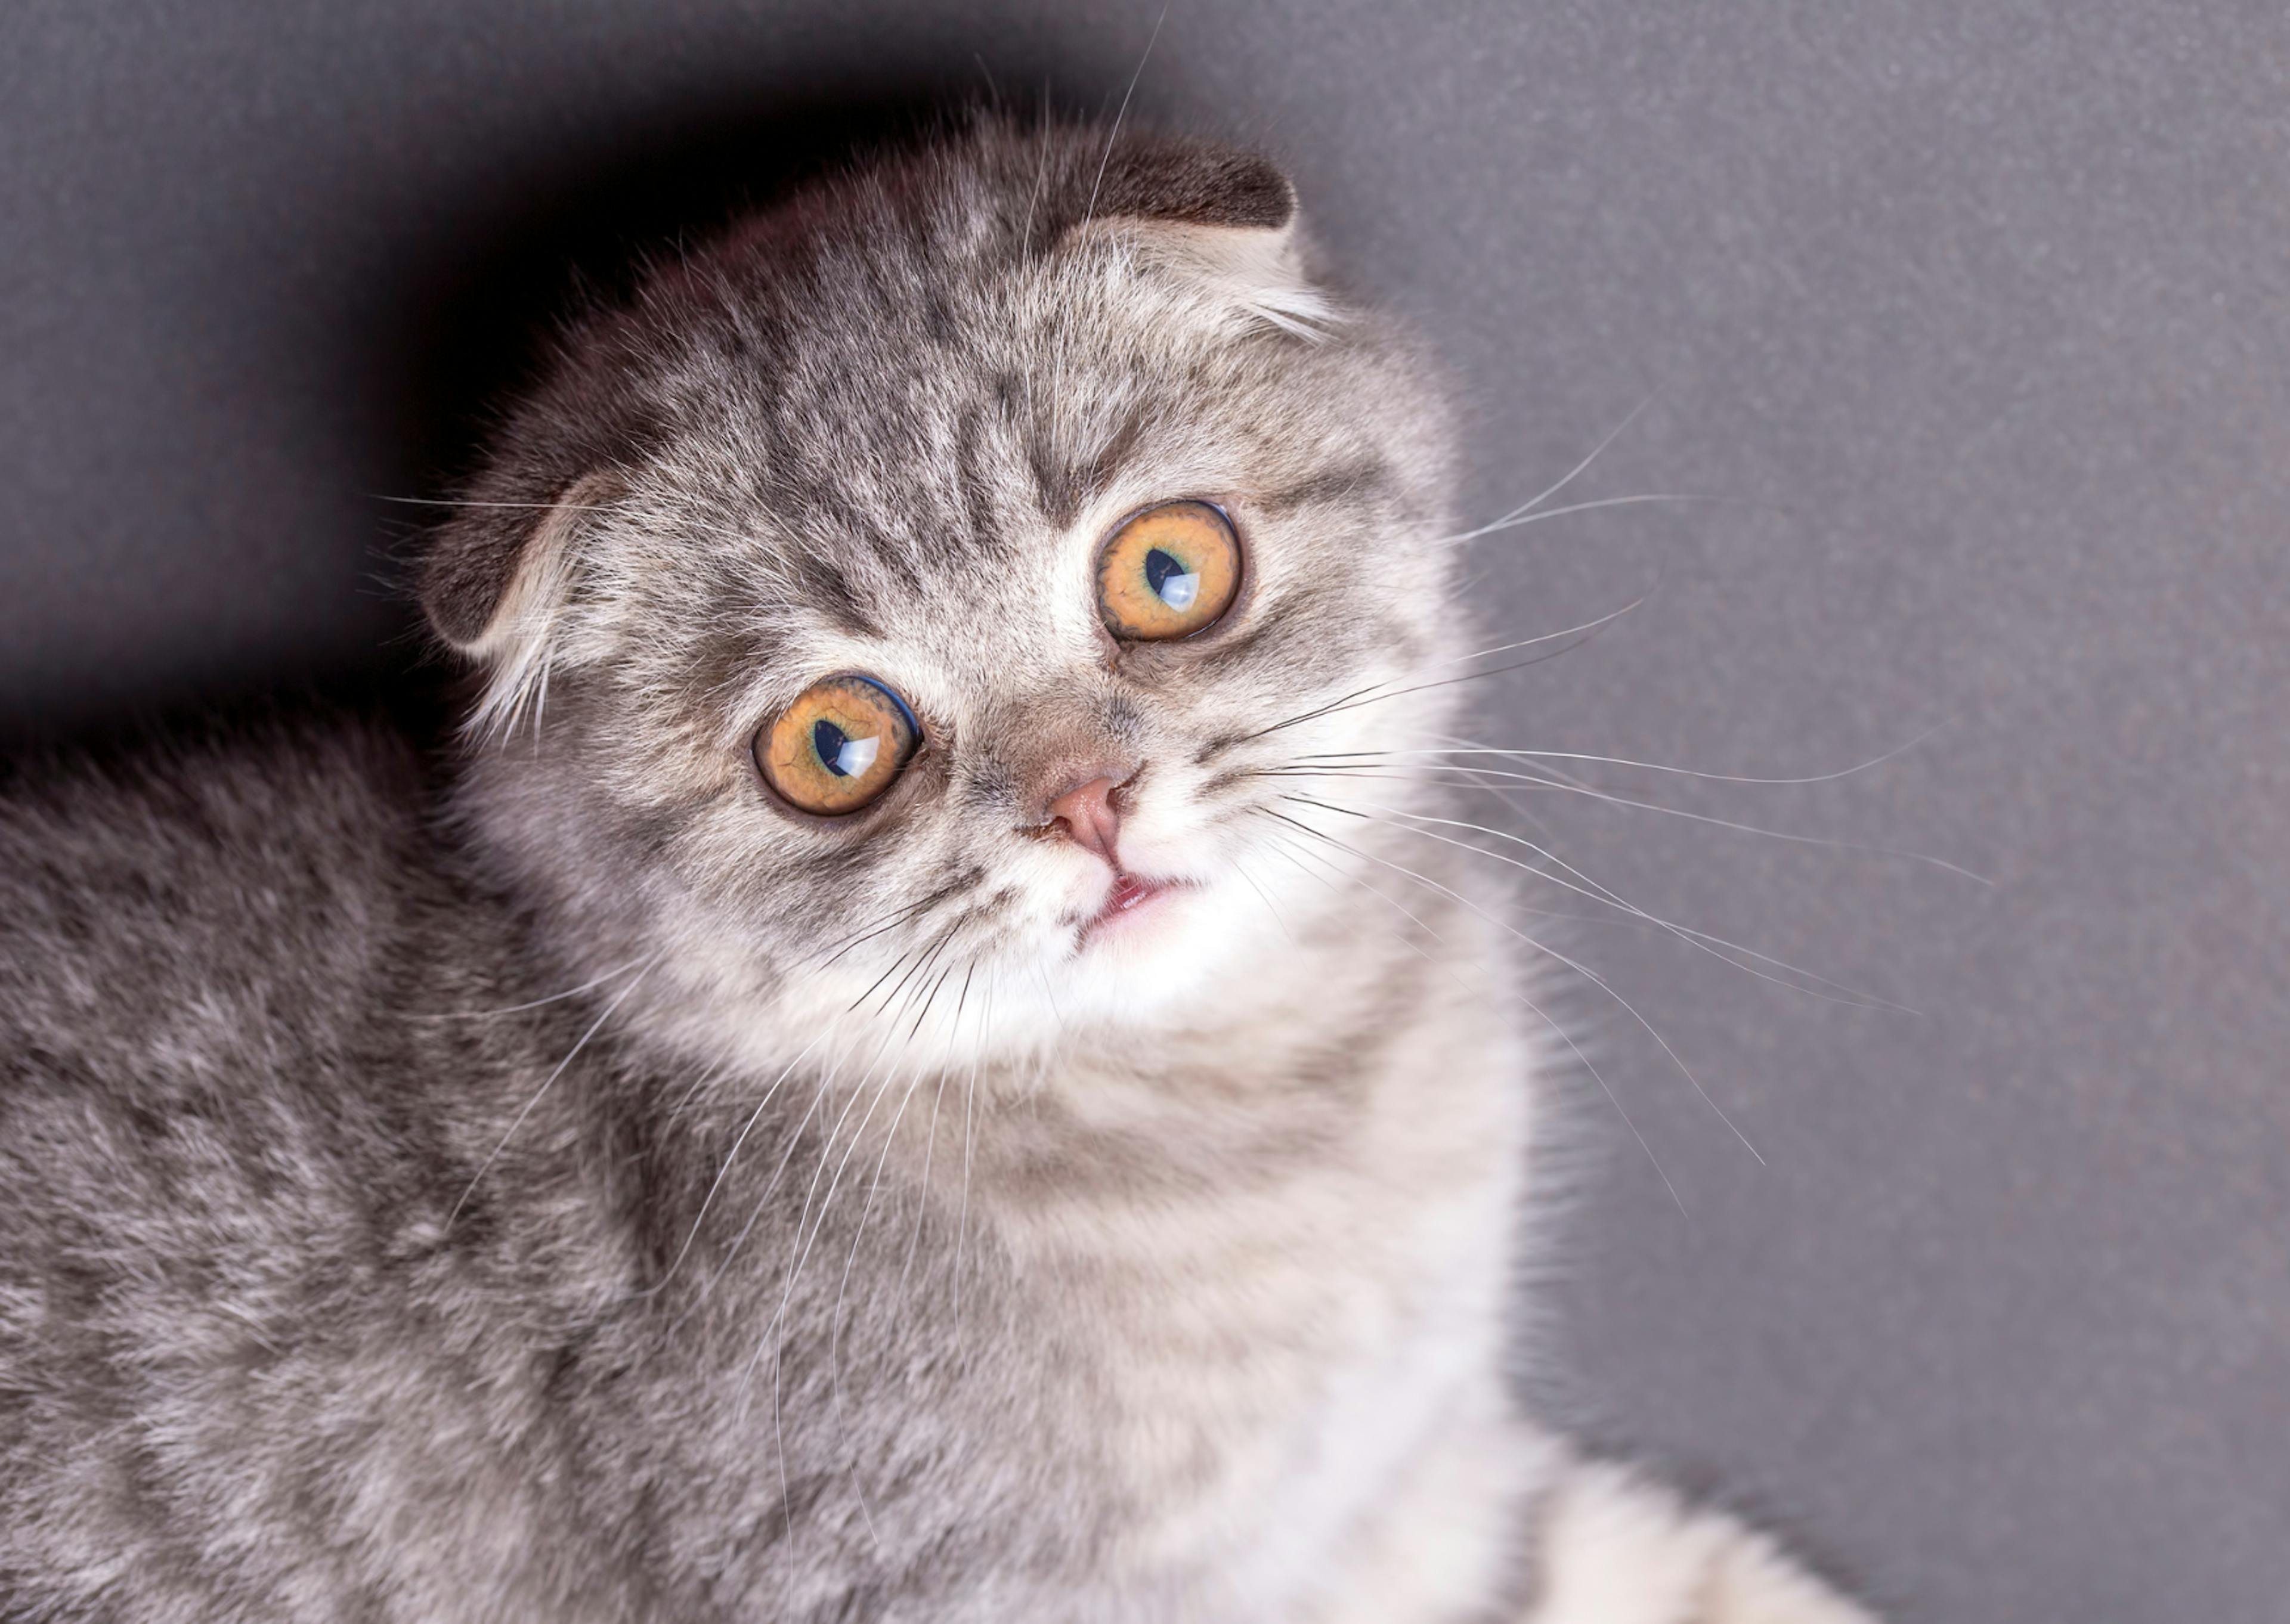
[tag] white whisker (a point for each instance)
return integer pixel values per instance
(1563, 1036)
(1649, 766)
(1552, 779)
(594, 1027)
(1522, 520)
(969, 1095)
(1571, 474)
(1579, 969)
(534, 1003)
(1703, 940)
(731, 1156)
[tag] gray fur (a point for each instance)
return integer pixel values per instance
(572, 1186)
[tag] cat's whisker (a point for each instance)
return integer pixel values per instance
(1502, 795)
(1571, 474)
(930, 1000)
(723, 1171)
(1113, 133)
(1374, 692)
(683, 1102)
(1522, 520)
(1707, 942)
(1703, 940)
(1563, 1036)
(1370, 696)
(1265, 896)
(843, 1288)
(1581, 629)
(896, 916)
(842, 1291)
(871, 987)
(446, 501)
(1365, 773)
(1033, 203)
(1329, 708)
(794, 1139)
(929, 1140)
(826, 1152)
(1358, 880)
(1625, 920)
(1683, 933)
(923, 962)
(1577, 967)
(969, 1139)
(1650, 766)
(1419, 774)
(802, 1251)
(540, 696)
(1468, 676)
(807, 1233)
(821, 1088)
(594, 1027)
(1049, 996)
(534, 1003)
(1553, 778)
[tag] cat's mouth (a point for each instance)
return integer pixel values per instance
(1131, 894)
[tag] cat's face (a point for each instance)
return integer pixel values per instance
(938, 594)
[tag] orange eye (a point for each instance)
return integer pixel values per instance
(1168, 572)
(839, 746)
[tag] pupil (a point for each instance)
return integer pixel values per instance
(829, 740)
(1172, 582)
(1158, 567)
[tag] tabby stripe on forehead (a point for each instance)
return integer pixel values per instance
(976, 502)
(831, 592)
(1066, 490)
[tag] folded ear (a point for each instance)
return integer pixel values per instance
(1193, 183)
(1227, 217)
(497, 580)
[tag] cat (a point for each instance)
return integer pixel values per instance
(912, 1064)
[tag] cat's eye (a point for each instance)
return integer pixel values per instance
(1168, 572)
(838, 747)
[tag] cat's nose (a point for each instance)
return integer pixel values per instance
(1088, 815)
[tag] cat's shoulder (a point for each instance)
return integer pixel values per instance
(165, 895)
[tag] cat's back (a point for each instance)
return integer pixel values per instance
(215, 1120)
(202, 939)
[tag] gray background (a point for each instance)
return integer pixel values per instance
(1981, 306)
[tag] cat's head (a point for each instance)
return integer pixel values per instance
(931, 595)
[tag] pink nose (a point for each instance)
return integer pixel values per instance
(1087, 814)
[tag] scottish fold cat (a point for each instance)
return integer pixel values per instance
(915, 1063)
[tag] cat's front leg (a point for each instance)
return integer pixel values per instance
(1617, 1548)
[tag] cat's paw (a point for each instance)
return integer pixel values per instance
(1619, 1550)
